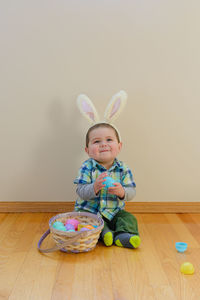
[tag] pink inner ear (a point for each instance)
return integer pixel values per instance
(87, 109)
(115, 107)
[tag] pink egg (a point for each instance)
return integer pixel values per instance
(73, 222)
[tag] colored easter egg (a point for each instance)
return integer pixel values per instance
(181, 247)
(74, 222)
(58, 223)
(108, 182)
(89, 227)
(69, 227)
(84, 229)
(80, 226)
(58, 227)
(61, 228)
(187, 268)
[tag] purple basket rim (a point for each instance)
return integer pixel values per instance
(74, 214)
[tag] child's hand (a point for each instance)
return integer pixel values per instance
(98, 185)
(117, 190)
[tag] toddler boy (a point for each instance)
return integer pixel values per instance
(102, 146)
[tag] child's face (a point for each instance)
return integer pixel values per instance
(103, 145)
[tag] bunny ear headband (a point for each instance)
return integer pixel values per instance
(113, 109)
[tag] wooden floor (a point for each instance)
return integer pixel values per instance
(113, 273)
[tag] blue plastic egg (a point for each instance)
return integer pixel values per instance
(59, 226)
(108, 182)
(181, 247)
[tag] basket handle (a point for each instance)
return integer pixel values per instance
(57, 247)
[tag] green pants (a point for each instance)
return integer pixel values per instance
(123, 221)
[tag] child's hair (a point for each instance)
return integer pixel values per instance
(98, 125)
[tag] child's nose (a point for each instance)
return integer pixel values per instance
(103, 143)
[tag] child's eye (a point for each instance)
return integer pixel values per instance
(109, 140)
(96, 142)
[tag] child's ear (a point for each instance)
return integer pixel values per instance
(120, 146)
(86, 150)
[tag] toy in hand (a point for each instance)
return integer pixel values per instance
(109, 182)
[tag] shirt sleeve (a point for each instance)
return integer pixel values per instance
(130, 193)
(86, 191)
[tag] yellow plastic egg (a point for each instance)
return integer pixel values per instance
(88, 226)
(80, 226)
(187, 268)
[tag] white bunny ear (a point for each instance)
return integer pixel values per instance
(115, 106)
(87, 108)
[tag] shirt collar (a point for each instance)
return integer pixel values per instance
(116, 164)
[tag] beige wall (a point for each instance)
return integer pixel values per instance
(53, 50)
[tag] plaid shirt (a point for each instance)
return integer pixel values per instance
(104, 203)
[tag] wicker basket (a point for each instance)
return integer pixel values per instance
(74, 241)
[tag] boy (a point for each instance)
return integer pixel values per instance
(102, 146)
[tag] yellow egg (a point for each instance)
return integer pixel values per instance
(187, 268)
(80, 226)
(88, 226)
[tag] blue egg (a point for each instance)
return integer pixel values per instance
(109, 182)
(59, 226)
(58, 223)
(181, 247)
